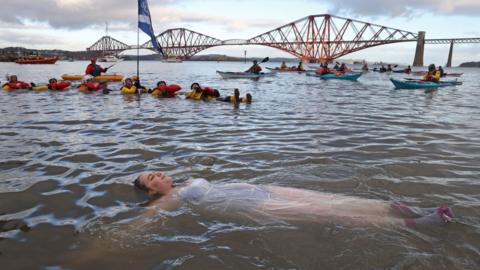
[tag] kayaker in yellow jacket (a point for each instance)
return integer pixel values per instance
(433, 75)
(283, 66)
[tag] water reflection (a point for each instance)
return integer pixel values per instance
(68, 160)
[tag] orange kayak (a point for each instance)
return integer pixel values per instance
(101, 78)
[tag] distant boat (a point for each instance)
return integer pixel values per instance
(36, 60)
(172, 60)
(108, 58)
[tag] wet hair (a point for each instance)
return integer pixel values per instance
(249, 98)
(128, 79)
(216, 93)
(195, 84)
(160, 82)
(255, 61)
(139, 185)
(52, 80)
(431, 67)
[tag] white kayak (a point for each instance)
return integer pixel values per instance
(247, 75)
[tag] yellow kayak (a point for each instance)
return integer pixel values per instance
(101, 78)
(40, 87)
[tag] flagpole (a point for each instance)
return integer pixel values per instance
(138, 47)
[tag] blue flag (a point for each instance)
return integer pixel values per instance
(145, 23)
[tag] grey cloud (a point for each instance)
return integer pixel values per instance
(75, 16)
(407, 8)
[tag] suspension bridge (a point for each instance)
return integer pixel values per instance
(315, 38)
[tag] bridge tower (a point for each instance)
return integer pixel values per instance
(450, 52)
(418, 61)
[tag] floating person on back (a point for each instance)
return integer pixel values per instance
(128, 87)
(286, 204)
(236, 99)
(14, 84)
(195, 93)
(94, 69)
(255, 68)
(433, 75)
(89, 86)
(165, 91)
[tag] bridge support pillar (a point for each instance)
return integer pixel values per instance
(418, 60)
(450, 52)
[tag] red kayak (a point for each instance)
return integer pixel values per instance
(37, 60)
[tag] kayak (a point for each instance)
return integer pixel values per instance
(101, 78)
(416, 84)
(285, 70)
(348, 76)
(246, 75)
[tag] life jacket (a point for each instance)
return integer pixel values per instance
(322, 70)
(88, 87)
(195, 95)
(15, 85)
(61, 85)
(167, 91)
(432, 76)
(128, 90)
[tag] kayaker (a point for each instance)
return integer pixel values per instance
(300, 66)
(323, 69)
(233, 99)
(433, 75)
(336, 66)
(283, 66)
(365, 67)
(442, 73)
(408, 70)
(94, 69)
(382, 69)
(255, 68)
(389, 68)
(279, 204)
(342, 69)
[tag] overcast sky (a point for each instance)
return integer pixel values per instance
(76, 24)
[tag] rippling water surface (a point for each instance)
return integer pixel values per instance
(68, 161)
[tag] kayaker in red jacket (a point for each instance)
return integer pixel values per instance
(94, 69)
(255, 68)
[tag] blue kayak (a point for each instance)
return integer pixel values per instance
(348, 76)
(417, 84)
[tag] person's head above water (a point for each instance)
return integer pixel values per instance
(255, 62)
(195, 86)
(128, 82)
(431, 67)
(160, 83)
(12, 78)
(154, 183)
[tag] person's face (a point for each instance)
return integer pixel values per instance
(13, 78)
(128, 83)
(156, 182)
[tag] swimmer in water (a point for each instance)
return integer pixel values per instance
(285, 204)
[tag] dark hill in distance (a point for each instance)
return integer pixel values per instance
(470, 64)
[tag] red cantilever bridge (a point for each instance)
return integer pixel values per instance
(314, 38)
